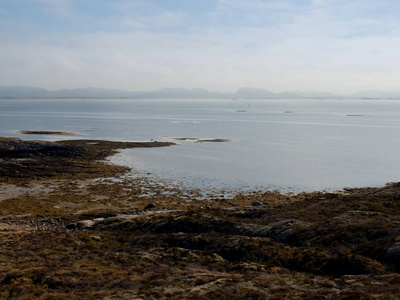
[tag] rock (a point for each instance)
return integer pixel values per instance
(95, 238)
(80, 225)
(12, 147)
(283, 230)
(393, 253)
(71, 226)
(150, 206)
(218, 258)
(78, 243)
(256, 203)
(84, 224)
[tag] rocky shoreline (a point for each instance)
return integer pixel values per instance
(76, 159)
(74, 227)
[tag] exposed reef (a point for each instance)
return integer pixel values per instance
(198, 140)
(48, 132)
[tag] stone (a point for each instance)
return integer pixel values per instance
(71, 226)
(84, 224)
(150, 206)
(80, 225)
(95, 238)
(256, 203)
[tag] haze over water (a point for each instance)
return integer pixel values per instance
(292, 145)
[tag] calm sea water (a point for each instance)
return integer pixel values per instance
(276, 144)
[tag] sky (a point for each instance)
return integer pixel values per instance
(340, 46)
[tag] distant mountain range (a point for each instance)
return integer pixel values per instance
(19, 92)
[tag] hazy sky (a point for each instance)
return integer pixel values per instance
(332, 45)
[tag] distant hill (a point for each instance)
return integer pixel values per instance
(183, 93)
(92, 93)
(315, 94)
(255, 93)
(22, 92)
(378, 94)
(19, 92)
(288, 95)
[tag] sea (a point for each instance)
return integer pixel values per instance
(272, 144)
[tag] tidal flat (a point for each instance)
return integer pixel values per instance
(74, 226)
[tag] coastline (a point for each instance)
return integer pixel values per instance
(75, 226)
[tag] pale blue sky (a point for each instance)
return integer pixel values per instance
(332, 45)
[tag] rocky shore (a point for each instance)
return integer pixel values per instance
(74, 227)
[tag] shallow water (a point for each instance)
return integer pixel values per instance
(293, 145)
